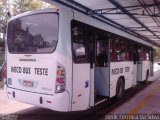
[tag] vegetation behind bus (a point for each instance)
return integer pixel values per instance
(157, 54)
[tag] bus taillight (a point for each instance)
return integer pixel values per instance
(60, 80)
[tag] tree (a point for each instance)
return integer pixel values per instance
(3, 26)
(157, 54)
(21, 6)
(3, 19)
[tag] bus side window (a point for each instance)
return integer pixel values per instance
(141, 54)
(112, 50)
(135, 56)
(130, 51)
(117, 49)
(78, 43)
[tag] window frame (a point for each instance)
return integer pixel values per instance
(84, 60)
(32, 15)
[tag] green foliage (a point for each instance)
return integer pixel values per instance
(157, 53)
(21, 6)
(3, 16)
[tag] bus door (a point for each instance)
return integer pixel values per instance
(91, 57)
(151, 62)
(81, 69)
(139, 65)
(102, 67)
(135, 66)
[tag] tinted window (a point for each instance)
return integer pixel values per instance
(79, 47)
(36, 33)
(102, 50)
(120, 49)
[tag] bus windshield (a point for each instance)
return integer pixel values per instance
(33, 34)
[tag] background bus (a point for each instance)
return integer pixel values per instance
(69, 61)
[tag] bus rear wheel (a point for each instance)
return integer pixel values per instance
(119, 89)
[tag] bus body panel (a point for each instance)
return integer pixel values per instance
(58, 102)
(102, 81)
(143, 67)
(81, 82)
(64, 49)
(81, 86)
(117, 70)
(135, 73)
(139, 71)
(44, 85)
(35, 76)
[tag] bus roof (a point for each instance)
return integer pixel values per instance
(34, 12)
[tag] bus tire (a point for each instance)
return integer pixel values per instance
(119, 88)
(147, 76)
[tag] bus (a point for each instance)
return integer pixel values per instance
(63, 60)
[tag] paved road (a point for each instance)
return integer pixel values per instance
(9, 106)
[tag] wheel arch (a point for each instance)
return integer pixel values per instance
(123, 79)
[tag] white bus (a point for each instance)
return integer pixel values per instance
(63, 60)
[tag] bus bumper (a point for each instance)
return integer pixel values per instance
(57, 102)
